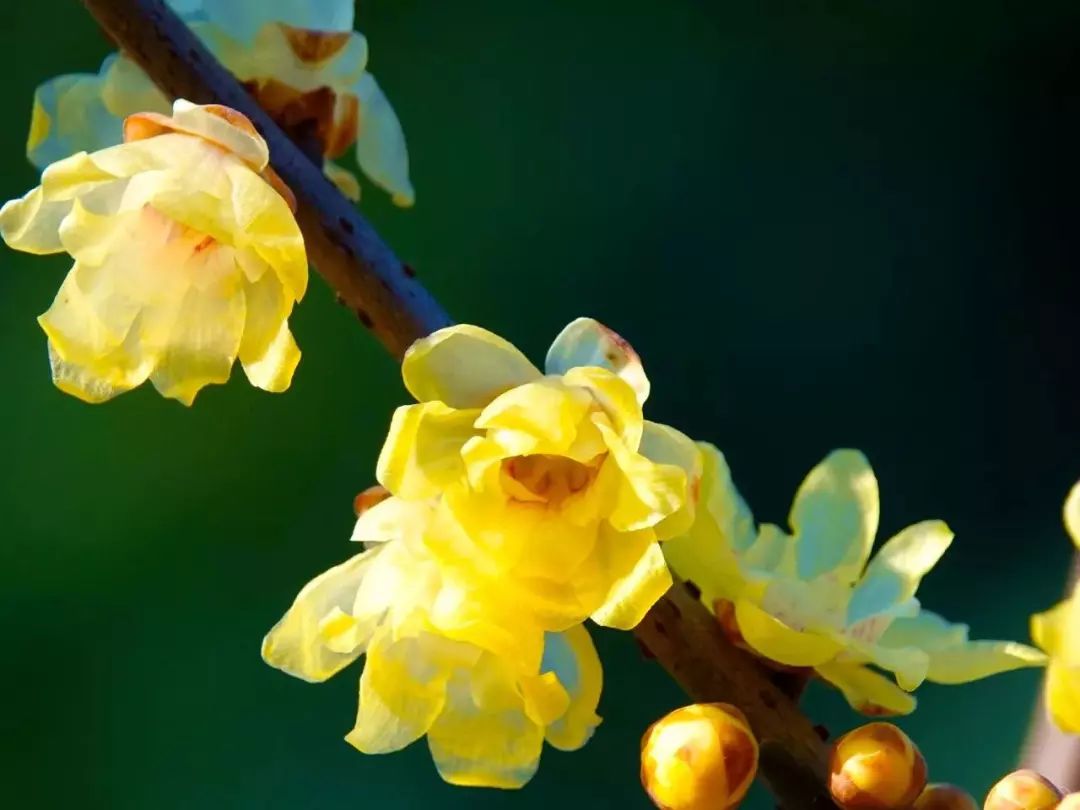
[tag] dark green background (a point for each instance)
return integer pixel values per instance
(821, 223)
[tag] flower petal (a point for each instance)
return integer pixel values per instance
(665, 445)
(644, 493)
(32, 224)
(1063, 696)
(867, 691)
(973, 660)
(774, 640)
(422, 452)
(380, 143)
(308, 641)
(70, 116)
(483, 737)
(1049, 629)
(1072, 514)
(634, 592)
(835, 516)
(896, 570)
(464, 366)
(572, 657)
(403, 689)
(587, 342)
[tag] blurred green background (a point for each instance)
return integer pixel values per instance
(822, 224)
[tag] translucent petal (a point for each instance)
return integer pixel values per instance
(1072, 514)
(665, 445)
(32, 224)
(973, 660)
(544, 697)
(464, 366)
(645, 493)
(615, 397)
(911, 665)
(70, 116)
(867, 691)
(896, 570)
(402, 690)
(302, 644)
(774, 640)
(835, 516)
(926, 630)
(633, 593)
(392, 519)
(483, 738)
(267, 350)
(1048, 629)
(126, 89)
(380, 144)
(1063, 696)
(586, 342)
(88, 384)
(422, 452)
(573, 658)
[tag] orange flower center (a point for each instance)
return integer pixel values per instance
(546, 479)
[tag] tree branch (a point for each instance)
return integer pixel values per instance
(679, 632)
(1047, 749)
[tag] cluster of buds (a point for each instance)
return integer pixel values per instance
(699, 757)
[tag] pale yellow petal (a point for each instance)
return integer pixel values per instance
(345, 180)
(1063, 696)
(867, 691)
(571, 656)
(422, 452)
(973, 660)
(69, 116)
(32, 224)
(307, 646)
(380, 143)
(1048, 629)
(126, 89)
(835, 516)
(634, 593)
(895, 572)
(464, 366)
(644, 492)
(483, 737)
(662, 444)
(778, 642)
(586, 342)
(1072, 514)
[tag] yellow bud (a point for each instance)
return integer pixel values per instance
(1022, 790)
(1070, 802)
(945, 797)
(699, 757)
(876, 767)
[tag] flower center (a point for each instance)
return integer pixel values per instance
(546, 479)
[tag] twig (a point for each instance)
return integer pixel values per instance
(679, 632)
(1051, 752)
(356, 263)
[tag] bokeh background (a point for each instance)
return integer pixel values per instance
(822, 224)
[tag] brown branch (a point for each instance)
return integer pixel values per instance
(1047, 749)
(679, 632)
(356, 263)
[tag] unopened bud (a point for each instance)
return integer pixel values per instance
(945, 797)
(1022, 790)
(699, 757)
(876, 767)
(1070, 802)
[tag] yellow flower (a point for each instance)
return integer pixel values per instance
(815, 599)
(485, 716)
(553, 490)
(187, 257)
(303, 62)
(1057, 631)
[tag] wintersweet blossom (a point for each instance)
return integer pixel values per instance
(485, 716)
(1057, 631)
(554, 489)
(300, 58)
(187, 257)
(814, 598)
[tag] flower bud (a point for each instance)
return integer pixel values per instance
(699, 757)
(876, 767)
(1070, 802)
(1022, 790)
(945, 797)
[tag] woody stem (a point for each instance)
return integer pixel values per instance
(366, 275)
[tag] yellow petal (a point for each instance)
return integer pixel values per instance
(300, 644)
(973, 660)
(380, 144)
(545, 698)
(896, 570)
(776, 641)
(537, 417)
(1048, 629)
(632, 593)
(32, 224)
(1063, 696)
(644, 493)
(586, 342)
(572, 657)
(665, 445)
(422, 452)
(483, 738)
(615, 397)
(69, 116)
(835, 516)
(126, 89)
(1072, 510)
(88, 384)
(402, 690)
(345, 180)
(464, 366)
(867, 691)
